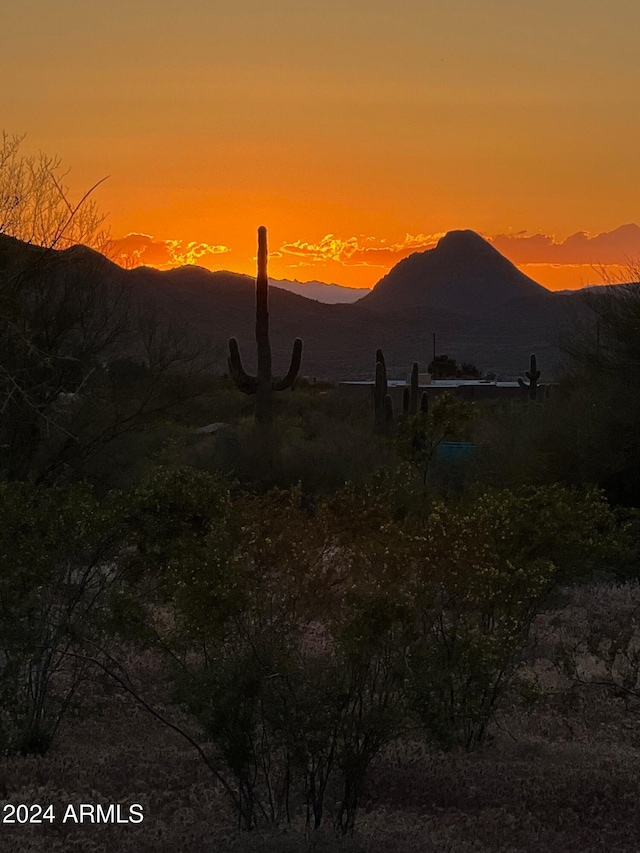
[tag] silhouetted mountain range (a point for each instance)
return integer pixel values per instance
(481, 307)
(330, 293)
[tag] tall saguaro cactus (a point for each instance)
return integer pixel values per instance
(533, 374)
(263, 384)
(383, 404)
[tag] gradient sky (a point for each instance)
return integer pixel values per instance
(380, 124)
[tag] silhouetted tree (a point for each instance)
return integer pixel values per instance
(64, 315)
(603, 410)
(36, 205)
(445, 367)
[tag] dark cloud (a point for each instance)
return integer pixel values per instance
(610, 247)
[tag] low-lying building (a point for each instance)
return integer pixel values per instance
(467, 389)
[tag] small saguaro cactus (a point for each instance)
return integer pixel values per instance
(533, 374)
(406, 403)
(388, 412)
(263, 384)
(383, 404)
(413, 391)
(410, 395)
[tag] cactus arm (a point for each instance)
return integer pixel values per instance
(424, 404)
(244, 382)
(294, 367)
(533, 374)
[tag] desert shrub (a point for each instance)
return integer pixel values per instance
(170, 506)
(572, 527)
(369, 618)
(319, 453)
(302, 636)
(196, 590)
(294, 678)
(184, 533)
(59, 550)
(228, 662)
(218, 400)
(474, 606)
(393, 494)
(482, 574)
(128, 458)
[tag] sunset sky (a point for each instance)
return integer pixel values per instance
(356, 131)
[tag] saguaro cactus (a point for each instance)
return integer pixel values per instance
(263, 384)
(410, 395)
(383, 404)
(533, 374)
(413, 392)
(406, 403)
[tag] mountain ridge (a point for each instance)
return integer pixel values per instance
(340, 340)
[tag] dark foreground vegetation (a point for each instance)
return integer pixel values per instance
(279, 639)
(314, 632)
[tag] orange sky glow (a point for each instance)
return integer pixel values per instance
(362, 261)
(357, 132)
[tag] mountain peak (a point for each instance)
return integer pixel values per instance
(461, 237)
(463, 273)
